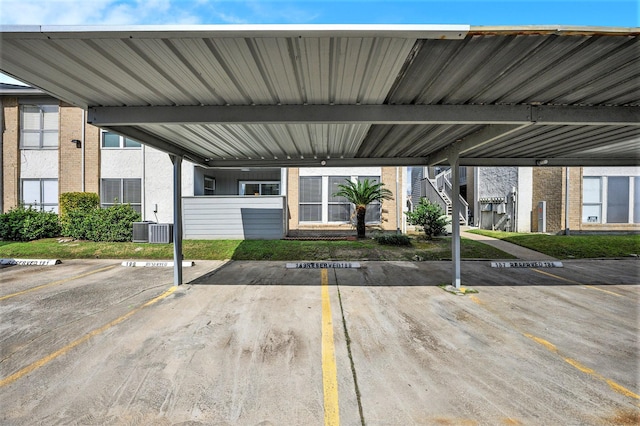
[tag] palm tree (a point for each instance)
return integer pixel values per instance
(361, 194)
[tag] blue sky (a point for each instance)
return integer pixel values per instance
(473, 12)
(618, 13)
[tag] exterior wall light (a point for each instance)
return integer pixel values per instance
(78, 142)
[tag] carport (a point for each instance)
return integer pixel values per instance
(356, 95)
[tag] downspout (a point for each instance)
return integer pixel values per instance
(477, 214)
(82, 138)
(1, 156)
(566, 203)
(144, 184)
(398, 201)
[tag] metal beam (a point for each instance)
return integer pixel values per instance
(319, 162)
(455, 218)
(488, 134)
(369, 114)
(158, 143)
(339, 114)
(567, 115)
(552, 162)
(177, 220)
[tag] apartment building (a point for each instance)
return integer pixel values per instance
(48, 149)
(543, 199)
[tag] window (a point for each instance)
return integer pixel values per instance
(310, 199)
(114, 141)
(39, 126)
(41, 194)
(611, 199)
(121, 191)
(209, 185)
(374, 210)
(592, 200)
(317, 203)
(339, 207)
(618, 199)
(636, 199)
(259, 188)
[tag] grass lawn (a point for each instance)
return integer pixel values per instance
(559, 246)
(572, 246)
(368, 249)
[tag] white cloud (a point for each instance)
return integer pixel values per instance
(97, 12)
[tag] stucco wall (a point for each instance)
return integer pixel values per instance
(498, 182)
(525, 199)
(36, 163)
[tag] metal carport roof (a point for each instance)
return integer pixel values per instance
(290, 95)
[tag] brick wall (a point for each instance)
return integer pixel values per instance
(70, 157)
(389, 214)
(92, 159)
(389, 207)
(10, 153)
(548, 185)
(293, 182)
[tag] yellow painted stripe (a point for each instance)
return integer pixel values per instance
(43, 361)
(329, 369)
(8, 296)
(575, 364)
(542, 342)
(576, 282)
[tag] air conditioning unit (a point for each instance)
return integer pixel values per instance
(141, 231)
(161, 233)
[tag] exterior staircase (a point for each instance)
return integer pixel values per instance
(440, 191)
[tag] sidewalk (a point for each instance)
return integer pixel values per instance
(513, 249)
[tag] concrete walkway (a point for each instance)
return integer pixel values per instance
(514, 249)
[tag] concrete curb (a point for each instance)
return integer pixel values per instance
(30, 262)
(155, 264)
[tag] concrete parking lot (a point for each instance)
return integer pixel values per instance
(247, 343)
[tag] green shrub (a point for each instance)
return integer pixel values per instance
(393, 240)
(26, 224)
(83, 201)
(428, 216)
(74, 207)
(83, 219)
(114, 224)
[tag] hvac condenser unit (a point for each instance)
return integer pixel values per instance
(141, 231)
(161, 233)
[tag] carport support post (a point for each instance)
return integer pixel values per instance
(177, 219)
(455, 217)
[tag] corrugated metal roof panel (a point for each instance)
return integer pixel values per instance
(345, 65)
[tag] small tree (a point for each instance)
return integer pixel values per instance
(361, 194)
(430, 217)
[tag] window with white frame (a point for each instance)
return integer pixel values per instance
(121, 191)
(611, 199)
(618, 199)
(41, 194)
(310, 199)
(592, 200)
(318, 204)
(636, 199)
(259, 187)
(209, 185)
(38, 126)
(339, 208)
(112, 140)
